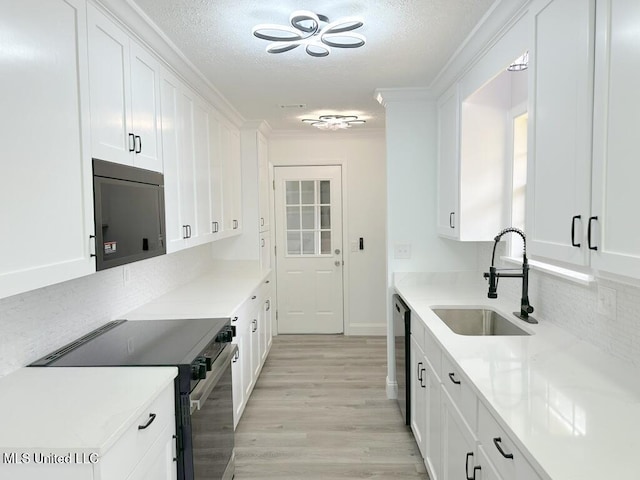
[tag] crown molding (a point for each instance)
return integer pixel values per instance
(384, 96)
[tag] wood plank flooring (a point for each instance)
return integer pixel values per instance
(319, 411)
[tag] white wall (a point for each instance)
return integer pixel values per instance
(37, 322)
(411, 119)
(362, 157)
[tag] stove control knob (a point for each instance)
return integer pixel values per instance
(194, 372)
(208, 362)
(202, 370)
(225, 336)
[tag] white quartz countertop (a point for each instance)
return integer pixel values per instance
(213, 295)
(76, 409)
(572, 409)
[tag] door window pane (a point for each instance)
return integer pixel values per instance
(293, 192)
(325, 243)
(325, 217)
(308, 217)
(325, 192)
(308, 191)
(293, 218)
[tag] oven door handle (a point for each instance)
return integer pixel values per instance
(199, 395)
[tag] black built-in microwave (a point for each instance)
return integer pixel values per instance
(129, 214)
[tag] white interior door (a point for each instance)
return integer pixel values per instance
(308, 208)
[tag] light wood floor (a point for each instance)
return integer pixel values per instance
(319, 411)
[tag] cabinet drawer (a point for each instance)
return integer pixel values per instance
(134, 444)
(458, 387)
(502, 452)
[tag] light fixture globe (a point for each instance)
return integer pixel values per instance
(306, 30)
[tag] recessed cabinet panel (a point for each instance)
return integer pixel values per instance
(448, 161)
(46, 186)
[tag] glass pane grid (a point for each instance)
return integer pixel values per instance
(308, 217)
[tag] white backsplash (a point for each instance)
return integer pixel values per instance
(574, 307)
(35, 323)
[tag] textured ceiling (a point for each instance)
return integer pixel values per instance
(408, 43)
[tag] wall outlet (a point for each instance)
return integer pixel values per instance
(402, 251)
(607, 302)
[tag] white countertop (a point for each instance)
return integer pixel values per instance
(574, 409)
(76, 409)
(213, 295)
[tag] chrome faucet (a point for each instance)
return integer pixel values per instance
(494, 275)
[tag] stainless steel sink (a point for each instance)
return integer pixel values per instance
(477, 322)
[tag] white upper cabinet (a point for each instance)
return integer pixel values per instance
(186, 130)
(216, 179)
(263, 181)
(124, 92)
(232, 177)
(474, 127)
(615, 222)
(560, 113)
(46, 183)
(448, 162)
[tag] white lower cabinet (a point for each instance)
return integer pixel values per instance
(456, 434)
(253, 338)
(458, 442)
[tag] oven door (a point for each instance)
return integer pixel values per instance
(212, 432)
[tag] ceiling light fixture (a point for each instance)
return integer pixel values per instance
(334, 122)
(519, 64)
(312, 30)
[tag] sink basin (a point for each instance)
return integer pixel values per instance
(477, 322)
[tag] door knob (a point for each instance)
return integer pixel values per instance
(337, 263)
(337, 251)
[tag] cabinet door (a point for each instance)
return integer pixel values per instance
(159, 463)
(267, 328)
(203, 228)
(216, 175)
(109, 76)
(170, 125)
(244, 327)
(418, 395)
(616, 169)
(263, 182)
(145, 109)
(457, 442)
(560, 123)
(256, 341)
(433, 435)
(231, 188)
(448, 162)
(186, 163)
(265, 251)
(236, 379)
(46, 184)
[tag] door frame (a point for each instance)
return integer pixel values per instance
(345, 244)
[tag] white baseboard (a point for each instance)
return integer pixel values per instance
(392, 389)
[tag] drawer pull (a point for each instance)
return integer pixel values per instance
(452, 378)
(422, 378)
(253, 297)
(497, 442)
(152, 417)
(234, 319)
(420, 370)
(466, 467)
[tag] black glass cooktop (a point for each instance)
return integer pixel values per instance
(138, 343)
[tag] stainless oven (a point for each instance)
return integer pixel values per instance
(203, 352)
